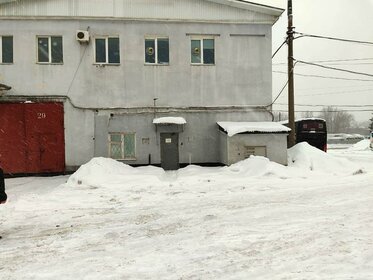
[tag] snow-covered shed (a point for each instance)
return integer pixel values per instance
(240, 140)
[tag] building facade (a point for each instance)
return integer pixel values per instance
(88, 78)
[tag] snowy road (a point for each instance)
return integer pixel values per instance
(253, 220)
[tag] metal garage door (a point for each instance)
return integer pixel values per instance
(32, 137)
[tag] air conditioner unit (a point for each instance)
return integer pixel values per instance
(82, 36)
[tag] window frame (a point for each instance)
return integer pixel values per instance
(155, 38)
(106, 38)
(122, 135)
(201, 40)
(50, 58)
(1, 50)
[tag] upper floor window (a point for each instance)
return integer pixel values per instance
(107, 50)
(122, 146)
(203, 51)
(50, 49)
(157, 50)
(6, 49)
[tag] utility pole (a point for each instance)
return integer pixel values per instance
(290, 38)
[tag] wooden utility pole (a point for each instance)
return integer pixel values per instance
(290, 38)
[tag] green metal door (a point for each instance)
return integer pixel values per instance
(170, 151)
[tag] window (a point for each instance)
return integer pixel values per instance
(122, 146)
(6, 49)
(157, 51)
(107, 50)
(203, 51)
(50, 49)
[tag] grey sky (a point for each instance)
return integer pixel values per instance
(336, 18)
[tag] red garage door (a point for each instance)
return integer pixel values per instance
(32, 137)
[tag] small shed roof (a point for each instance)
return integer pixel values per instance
(169, 120)
(233, 128)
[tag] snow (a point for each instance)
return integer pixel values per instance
(306, 157)
(233, 128)
(303, 119)
(169, 120)
(255, 219)
(363, 145)
(344, 136)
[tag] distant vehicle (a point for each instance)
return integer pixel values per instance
(344, 138)
(311, 130)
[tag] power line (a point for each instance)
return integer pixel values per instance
(279, 48)
(323, 105)
(348, 64)
(280, 93)
(332, 38)
(318, 88)
(336, 69)
(367, 91)
(320, 111)
(283, 88)
(331, 60)
(352, 64)
(324, 77)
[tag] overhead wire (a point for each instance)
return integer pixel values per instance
(331, 38)
(283, 88)
(325, 77)
(283, 43)
(326, 67)
(335, 68)
(361, 91)
(320, 111)
(330, 60)
(323, 105)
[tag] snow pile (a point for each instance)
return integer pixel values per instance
(363, 145)
(305, 156)
(99, 171)
(257, 166)
(302, 158)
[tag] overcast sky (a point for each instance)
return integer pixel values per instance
(336, 18)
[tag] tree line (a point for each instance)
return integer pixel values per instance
(337, 121)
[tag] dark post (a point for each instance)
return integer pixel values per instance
(3, 196)
(291, 139)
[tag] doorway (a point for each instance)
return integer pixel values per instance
(170, 151)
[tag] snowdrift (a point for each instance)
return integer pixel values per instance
(304, 160)
(98, 171)
(363, 145)
(305, 156)
(257, 166)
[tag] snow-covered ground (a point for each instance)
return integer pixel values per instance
(253, 220)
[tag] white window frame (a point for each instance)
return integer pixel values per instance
(201, 38)
(106, 50)
(122, 134)
(155, 38)
(1, 49)
(49, 37)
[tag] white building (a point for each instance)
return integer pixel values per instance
(95, 74)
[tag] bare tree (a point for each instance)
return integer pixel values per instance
(337, 120)
(308, 114)
(279, 116)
